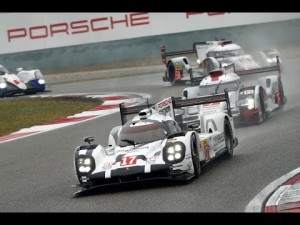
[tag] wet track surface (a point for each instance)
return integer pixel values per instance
(37, 172)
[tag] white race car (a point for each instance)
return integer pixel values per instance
(180, 69)
(24, 81)
(152, 145)
(253, 94)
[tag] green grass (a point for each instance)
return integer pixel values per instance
(16, 114)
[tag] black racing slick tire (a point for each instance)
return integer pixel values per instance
(195, 156)
(283, 98)
(228, 139)
(262, 108)
(171, 73)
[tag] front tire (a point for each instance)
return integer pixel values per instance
(195, 156)
(228, 139)
(282, 97)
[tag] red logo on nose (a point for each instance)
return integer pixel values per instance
(16, 81)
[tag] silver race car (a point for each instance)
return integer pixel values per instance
(152, 145)
(254, 93)
(180, 69)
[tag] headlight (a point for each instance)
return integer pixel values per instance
(85, 164)
(171, 158)
(170, 150)
(41, 81)
(174, 152)
(177, 156)
(3, 85)
(87, 161)
(249, 102)
(178, 147)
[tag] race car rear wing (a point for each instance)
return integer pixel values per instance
(198, 47)
(260, 70)
(124, 111)
(179, 103)
(169, 104)
(164, 54)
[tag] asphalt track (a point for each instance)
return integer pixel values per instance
(37, 172)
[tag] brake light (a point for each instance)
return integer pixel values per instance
(225, 42)
(215, 74)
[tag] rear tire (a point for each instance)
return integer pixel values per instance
(171, 73)
(228, 139)
(195, 156)
(262, 108)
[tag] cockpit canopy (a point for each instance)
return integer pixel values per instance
(3, 70)
(146, 131)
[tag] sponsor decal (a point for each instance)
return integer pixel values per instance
(165, 106)
(178, 67)
(152, 159)
(177, 74)
(218, 139)
(16, 82)
(208, 150)
(163, 103)
(34, 31)
(205, 146)
(133, 149)
(102, 23)
(108, 165)
(247, 92)
(210, 108)
(128, 160)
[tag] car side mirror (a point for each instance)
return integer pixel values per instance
(89, 139)
(185, 94)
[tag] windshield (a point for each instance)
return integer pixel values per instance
(3, 70)
(142, 132)
(225, 54)
(210, 89)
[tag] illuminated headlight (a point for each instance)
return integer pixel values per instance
(178, 147)
(85, 164)
(41, 81)
(87, 161)
(174, 152)
(171, 150)
(84, 169)
(249, 102)
(271, 60)
(170, 157)
(3, 85)
(177, 156)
